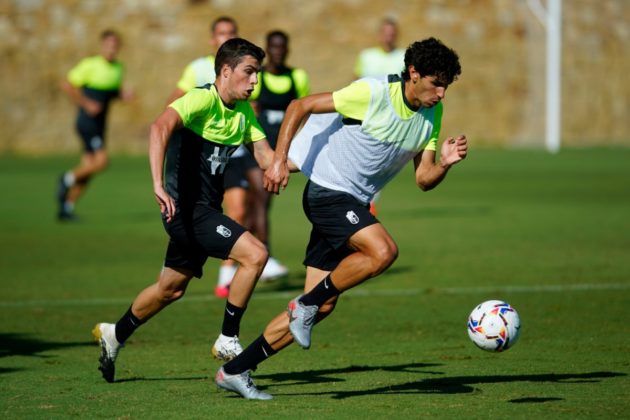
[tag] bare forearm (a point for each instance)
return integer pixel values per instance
(158, 140)
(431, 178)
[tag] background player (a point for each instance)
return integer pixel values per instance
(91, 85)
(394, 118)
(278, 84)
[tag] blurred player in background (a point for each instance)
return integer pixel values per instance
(213, 120)
(198, 73)
(92, 85)
(381, 60)
(278, 84)
(356, 140)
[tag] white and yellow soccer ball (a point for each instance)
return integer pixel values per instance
(494, 325)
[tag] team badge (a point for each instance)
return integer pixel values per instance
(223, 231)
(352, 217)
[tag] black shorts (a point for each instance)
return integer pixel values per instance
(92, 132)
(335, 217)
(198, 234)
(235, 174)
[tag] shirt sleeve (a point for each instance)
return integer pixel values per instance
(194, 104)
(437, 126)
(188, 80)
(353, 100)
(78, 76)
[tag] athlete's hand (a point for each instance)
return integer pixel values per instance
(453, 150)
(92, 107)
(166, 203)
(276, 176)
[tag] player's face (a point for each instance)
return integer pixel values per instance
(388, 35)
(243, 78)
(110, 47)
(277, 50)
(223, 31)
(424, 91)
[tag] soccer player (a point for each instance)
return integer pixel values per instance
(278, 85)
(214, 120)
(91, 85)
(198, 73)
(384, 59)
(356, 140)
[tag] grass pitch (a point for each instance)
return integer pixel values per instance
(549, 234)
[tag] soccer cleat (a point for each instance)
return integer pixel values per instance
(226, 348)
(105, 334)
(222, 292)
(301, 321)
(240, 383)
(273, 269)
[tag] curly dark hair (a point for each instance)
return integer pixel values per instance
(430, 57)
(232, 52)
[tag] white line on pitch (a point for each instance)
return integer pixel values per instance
(356, 292)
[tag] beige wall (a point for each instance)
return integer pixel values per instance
(499, 99)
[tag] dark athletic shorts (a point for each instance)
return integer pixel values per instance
(335, 217)
(198, 234)
(92, 132)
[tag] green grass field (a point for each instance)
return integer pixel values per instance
(549, 234)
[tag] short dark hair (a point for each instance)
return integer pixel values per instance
(109, 32)
(279, 33)
(222, 19)
(431, 57)
(232, 52)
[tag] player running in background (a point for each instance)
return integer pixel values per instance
(91, 85)
(356, 140)
(278, 84)
(214, 120)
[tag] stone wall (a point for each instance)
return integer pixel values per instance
(499, 99)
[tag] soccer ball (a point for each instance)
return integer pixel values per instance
(494, 326)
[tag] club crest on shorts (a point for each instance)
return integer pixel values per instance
(352, 217)
(223, 231)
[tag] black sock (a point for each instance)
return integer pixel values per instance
(255, 353)
(321, 293)
(126, 326)
(232, 320)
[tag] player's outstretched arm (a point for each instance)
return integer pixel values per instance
(277, 175)
(430, 173)
(159, 136)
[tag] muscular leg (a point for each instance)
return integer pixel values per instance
(169, 287)
(251, 255)
(258, 203)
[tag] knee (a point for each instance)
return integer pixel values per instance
(384, 256)
(257, 255)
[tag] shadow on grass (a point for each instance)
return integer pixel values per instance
(464, 384)
(530, 400)
(326, 375)
(12, 344)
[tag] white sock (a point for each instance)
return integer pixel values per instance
(226, 274)
(69, 179)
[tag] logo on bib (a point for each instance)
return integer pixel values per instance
(223, 231)
(352, 217)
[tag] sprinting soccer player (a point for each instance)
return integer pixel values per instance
(357, 140)
(92, 85)
(214, 121)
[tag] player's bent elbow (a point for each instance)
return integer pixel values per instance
(424, 185)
